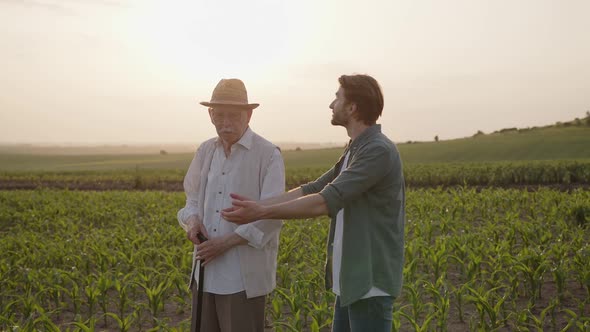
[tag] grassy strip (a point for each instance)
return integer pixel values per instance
(501, 174)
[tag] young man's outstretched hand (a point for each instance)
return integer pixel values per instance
(243, 210)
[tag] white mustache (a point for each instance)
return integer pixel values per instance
(226, 131)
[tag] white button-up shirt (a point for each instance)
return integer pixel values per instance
(243, 172)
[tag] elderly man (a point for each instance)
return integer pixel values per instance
(365, 196)
(240, 261)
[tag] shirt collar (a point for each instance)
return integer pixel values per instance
(245, 140)
(364, 136)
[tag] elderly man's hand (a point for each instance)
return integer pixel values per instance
(195, 226)
(243, 210)
(212, 248)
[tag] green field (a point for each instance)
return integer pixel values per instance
(501, 260)
(563, 174)
(546, 156)
(323, 158)
(107, 253)
(539, 144)
(554, 143)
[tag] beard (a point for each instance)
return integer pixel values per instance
(339, 121)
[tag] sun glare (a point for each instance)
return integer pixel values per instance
(207, 37)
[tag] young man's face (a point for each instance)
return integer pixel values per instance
(230, 122)
(341, 109)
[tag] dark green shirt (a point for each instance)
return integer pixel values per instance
(371, 192)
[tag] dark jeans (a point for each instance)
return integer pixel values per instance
(374, 314)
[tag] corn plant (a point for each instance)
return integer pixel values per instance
(155, 295)
(489, 312)
(123, 323)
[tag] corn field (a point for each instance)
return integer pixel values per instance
(486, 260)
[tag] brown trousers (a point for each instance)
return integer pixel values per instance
(229, 313)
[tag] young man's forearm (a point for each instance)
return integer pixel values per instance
(288, 196)
(303, 207)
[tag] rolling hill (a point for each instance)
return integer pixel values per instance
(563, 141)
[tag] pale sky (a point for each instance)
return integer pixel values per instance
(116, 71)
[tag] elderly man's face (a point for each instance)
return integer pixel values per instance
(230, 122)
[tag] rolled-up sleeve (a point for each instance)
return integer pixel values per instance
(260, 232)
(366, 168)
(252, 234)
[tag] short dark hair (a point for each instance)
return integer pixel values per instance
(364, 91)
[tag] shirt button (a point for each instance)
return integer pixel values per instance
(223, 173)
(217, 211)
(215, 229)
(220, 192)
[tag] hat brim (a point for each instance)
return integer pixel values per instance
(239, 105)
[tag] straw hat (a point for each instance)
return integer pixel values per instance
(230, 92)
